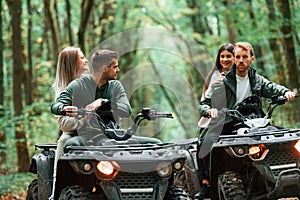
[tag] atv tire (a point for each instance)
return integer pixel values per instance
(176, 193)
(230, 187)
(32, 190)
(75, 192)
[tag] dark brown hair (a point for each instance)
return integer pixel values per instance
(103, 57)
(225, 47)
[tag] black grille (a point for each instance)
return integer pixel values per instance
(282, 154)
(139, 181)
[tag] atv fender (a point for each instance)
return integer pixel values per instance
(42, 165)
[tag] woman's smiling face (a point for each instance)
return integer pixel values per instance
(226, 60)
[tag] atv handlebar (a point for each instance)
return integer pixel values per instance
(279, 100)
(272, 104)
(123, 134)
(149, 114)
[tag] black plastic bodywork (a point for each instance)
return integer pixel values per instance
(138, 165)
(276, 176)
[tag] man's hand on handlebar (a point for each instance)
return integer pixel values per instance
(289, 95)
(94, 105)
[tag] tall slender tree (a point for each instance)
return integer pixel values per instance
(2, 134)
(289, 49)
(230, 24)
(288, 43)
(50, 23)
(28, 72)
(15, 9)
(86, 7)
(274, 43)
(68, 9)
(258, 48)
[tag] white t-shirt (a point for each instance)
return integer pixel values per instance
(243, 89)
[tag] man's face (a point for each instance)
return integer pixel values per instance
(243, 60)
(112, 70)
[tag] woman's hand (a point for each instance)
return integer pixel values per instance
(70, 108)
(213, 113)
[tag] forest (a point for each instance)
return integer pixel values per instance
(166, 49)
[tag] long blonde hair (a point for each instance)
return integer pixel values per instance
(66, 70)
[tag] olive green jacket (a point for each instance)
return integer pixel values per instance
(83, 91)
(224, 94)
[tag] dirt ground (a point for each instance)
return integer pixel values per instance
(19, 196)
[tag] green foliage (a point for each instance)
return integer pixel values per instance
(40, 127)
(15, 182)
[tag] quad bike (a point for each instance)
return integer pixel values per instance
(256, 161)
(118, 167)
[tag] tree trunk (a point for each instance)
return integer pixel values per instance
(68, 8)
(274, 45)
(15, 9)
(196, 18)
(50, 23)
(289, 50)
(58, 29)
(2, 133)
(28, 77)
(288, 43)
(229, 24)
(257, 48)
(86, 7)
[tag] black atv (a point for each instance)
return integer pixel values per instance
(116, 168)
(256, 161)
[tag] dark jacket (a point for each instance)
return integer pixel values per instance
(83, 91)
(224, 94)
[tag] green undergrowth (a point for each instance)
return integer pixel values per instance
(15, 183)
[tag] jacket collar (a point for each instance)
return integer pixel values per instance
(230, 77)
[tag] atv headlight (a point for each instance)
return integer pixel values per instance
(258, 152)
(297, 146)
(178, 165)
(237, 151)
(164, 170)
(107, 169)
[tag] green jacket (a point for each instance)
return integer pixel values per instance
(84, 90)
(224, 94)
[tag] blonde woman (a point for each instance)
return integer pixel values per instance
(71, 64)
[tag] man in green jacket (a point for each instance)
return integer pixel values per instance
(91, 91)
(239, 83)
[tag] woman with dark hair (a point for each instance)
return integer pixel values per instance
(224, 62)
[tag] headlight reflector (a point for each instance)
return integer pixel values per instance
(241, 151)
(164, 170)
(177, 165)
(87, 167)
